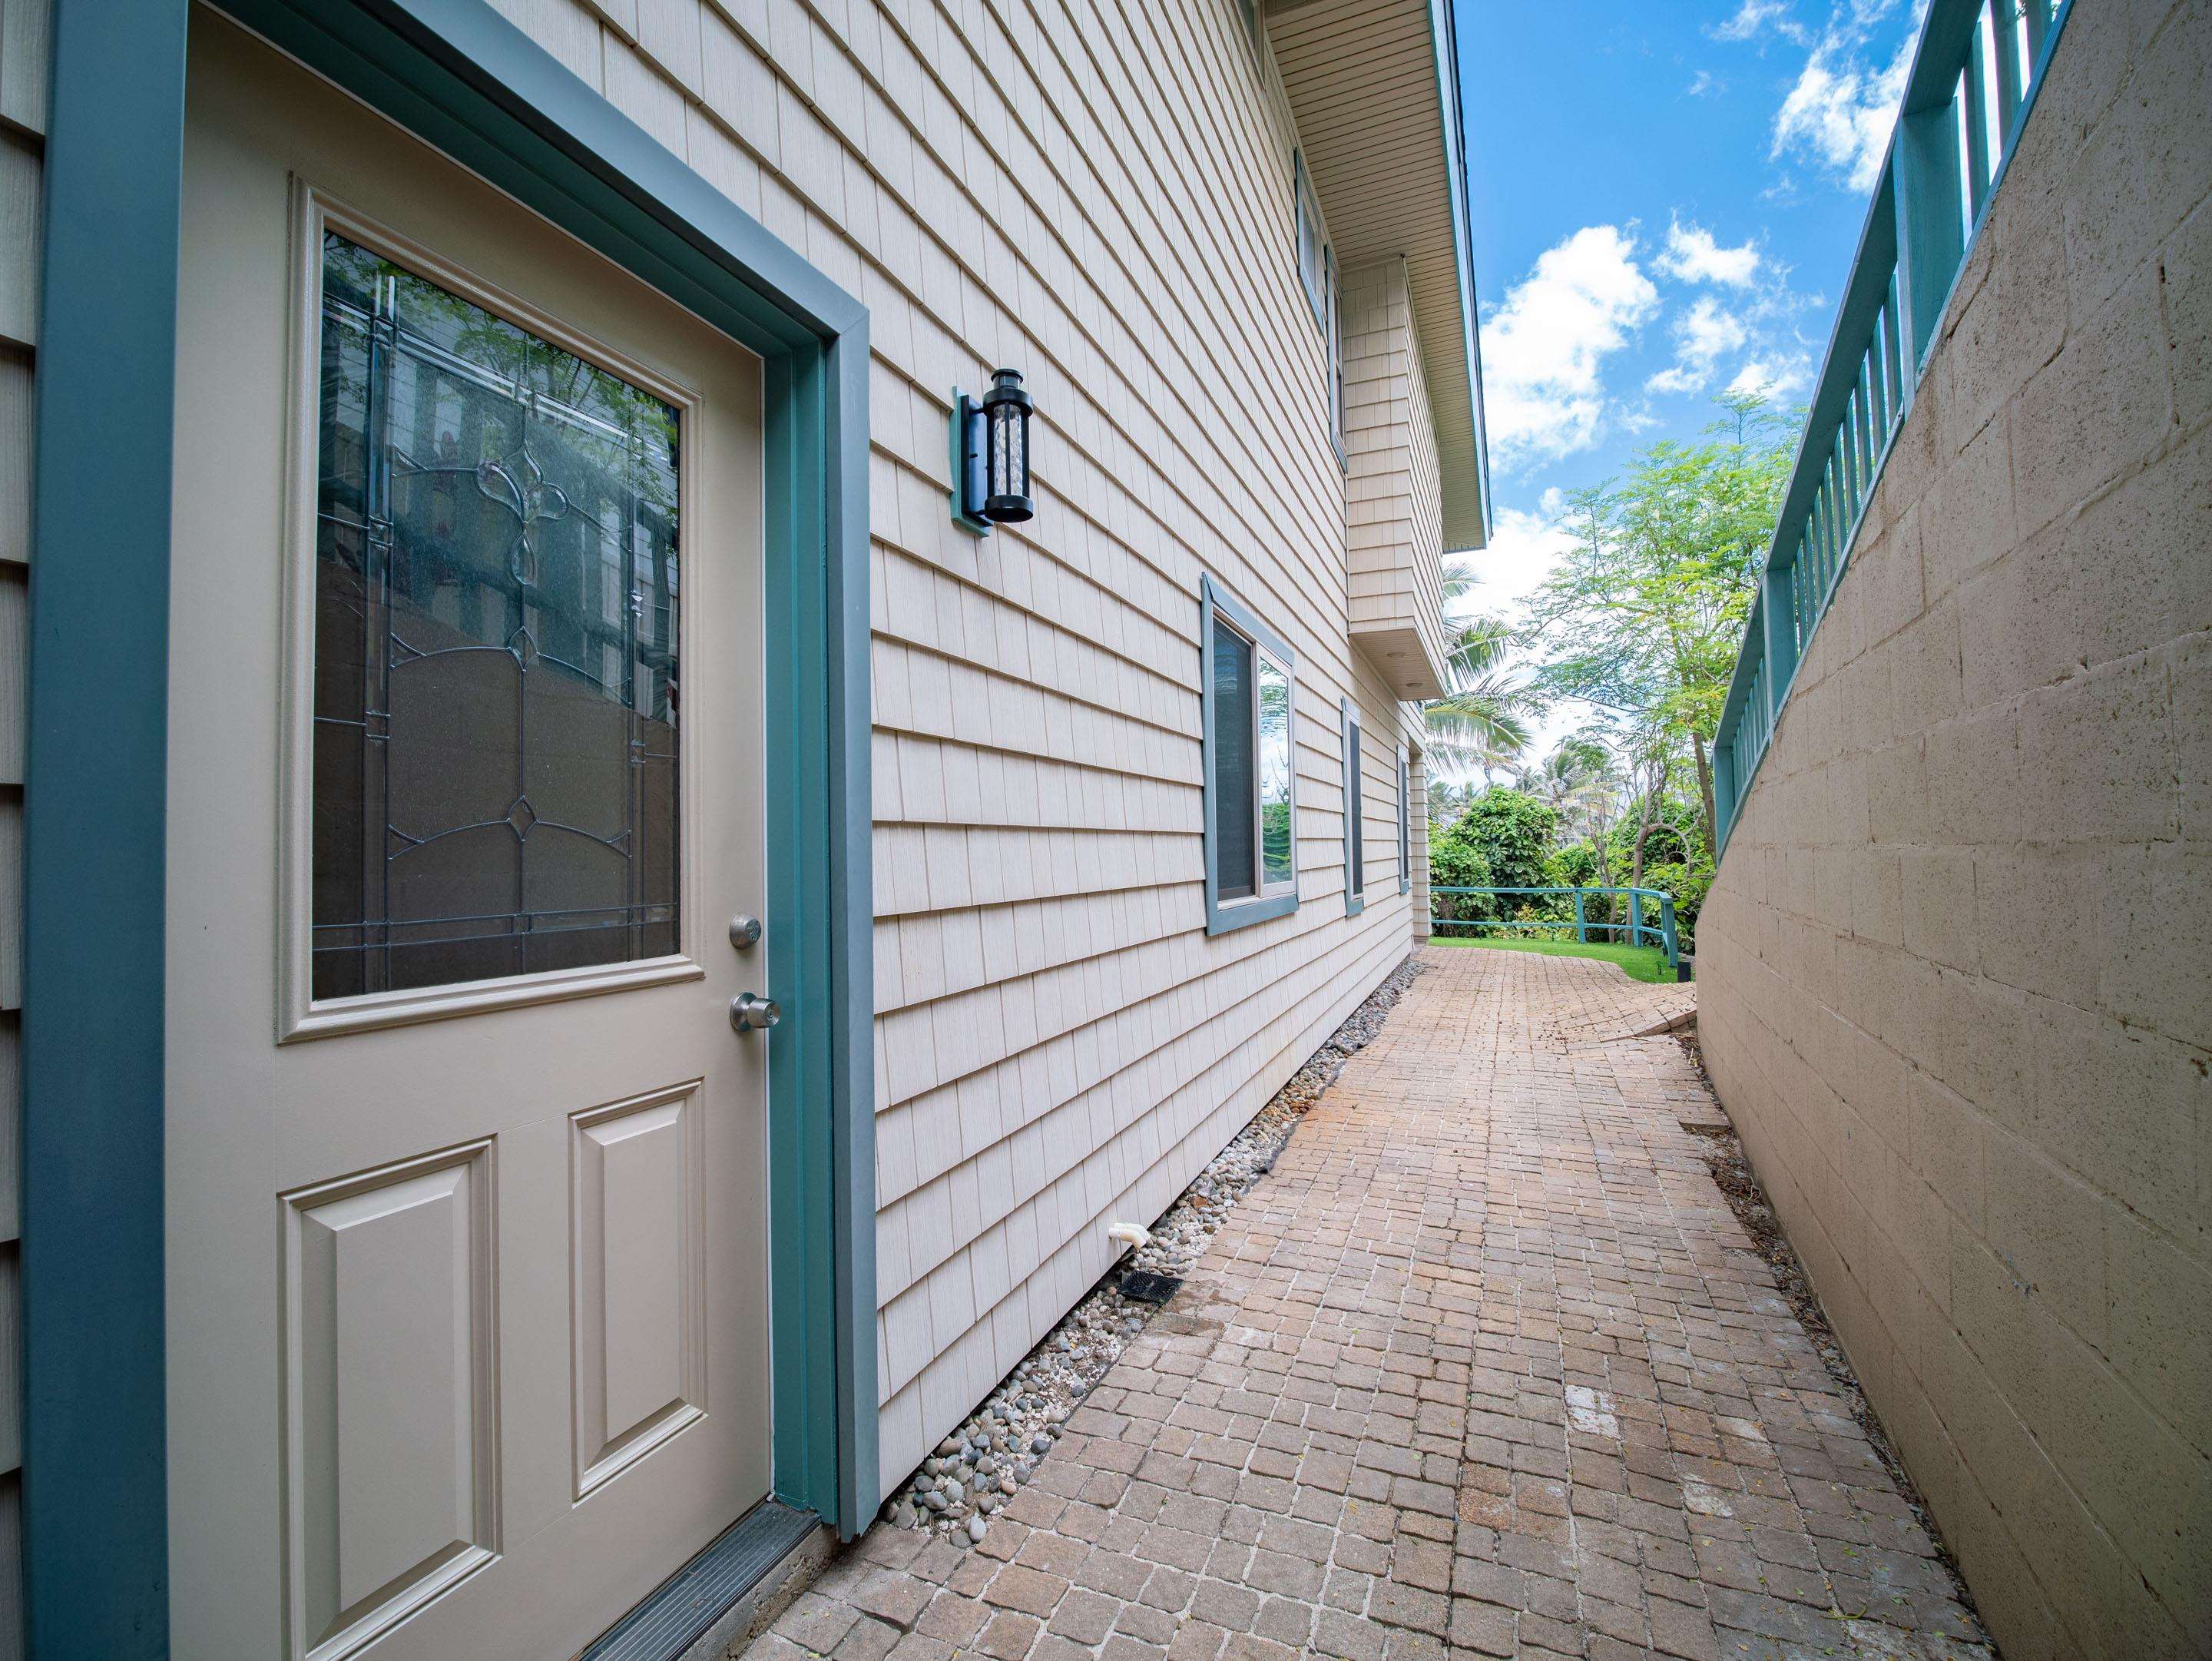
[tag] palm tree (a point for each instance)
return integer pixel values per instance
(1478, 724)
(1578, 781)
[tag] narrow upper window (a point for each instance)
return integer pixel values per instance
(1355, 815)
(1251, 869)
(1250, 10)
(1313, 246)
(1318, 276)
(1405, 822)
(1334, 341)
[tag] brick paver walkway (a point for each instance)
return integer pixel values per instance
(1482, 1368)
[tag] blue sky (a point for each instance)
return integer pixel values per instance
(1665, 199)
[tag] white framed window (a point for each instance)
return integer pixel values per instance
(1248, 699)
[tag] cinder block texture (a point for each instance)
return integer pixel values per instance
(1953, 988)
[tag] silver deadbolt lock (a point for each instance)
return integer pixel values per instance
(751, 1014)
(744, 931)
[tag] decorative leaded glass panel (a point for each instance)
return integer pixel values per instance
(496, 685)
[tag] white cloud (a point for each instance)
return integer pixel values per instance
(1524, 549)
(1703, 335)
(1693, 255)
(1703, 82)
(1841, 114)
(1544, 348)
(1753, 17)
(1778, 378)
(1841, 110)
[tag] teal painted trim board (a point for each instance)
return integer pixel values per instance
(461, 77)
(95, 1511)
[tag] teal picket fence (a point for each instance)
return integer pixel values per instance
(1975, 73)
(1650, 916)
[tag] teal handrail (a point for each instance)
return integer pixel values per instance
(1662, 932)
(1975, 72)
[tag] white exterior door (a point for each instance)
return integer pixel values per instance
(467, 1196)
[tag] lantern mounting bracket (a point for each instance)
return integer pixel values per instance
(970, 473)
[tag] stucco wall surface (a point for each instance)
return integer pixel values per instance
(1954, 982)
(1099, 195)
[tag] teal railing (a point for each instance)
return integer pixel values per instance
(1660, 933)
(1975, 72)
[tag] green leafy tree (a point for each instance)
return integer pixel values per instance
(1643, 617)
(1481, 722)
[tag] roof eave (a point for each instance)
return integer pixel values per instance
(1467, 525)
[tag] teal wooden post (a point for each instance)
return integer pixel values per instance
(1778, 601)
(1582, 928)
(1724, 792)
(1931, 225)
(1635, 918)
(1666, 931)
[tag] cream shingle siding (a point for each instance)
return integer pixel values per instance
(23, 54)
(1396, 533)
(1101, 197)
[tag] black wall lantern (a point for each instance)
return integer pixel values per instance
(991, 454)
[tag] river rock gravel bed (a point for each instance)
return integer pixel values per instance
(982, 1464)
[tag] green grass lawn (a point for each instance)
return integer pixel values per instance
(1642, 963)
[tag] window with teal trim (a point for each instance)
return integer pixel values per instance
(1355, 814)
(1249, 694)
(1405, 822)
(1317, 277)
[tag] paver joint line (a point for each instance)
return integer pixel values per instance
(1485, 1365)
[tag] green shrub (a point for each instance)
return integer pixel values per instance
(1689, 889)
(1455, 862)
(1513, 831)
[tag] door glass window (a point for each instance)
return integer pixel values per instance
(496, 656)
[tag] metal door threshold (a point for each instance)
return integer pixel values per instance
(707, 1598)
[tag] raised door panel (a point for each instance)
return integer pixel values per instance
(639, 1275)
(391, 1399)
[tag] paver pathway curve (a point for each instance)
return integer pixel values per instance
(1483, 1367)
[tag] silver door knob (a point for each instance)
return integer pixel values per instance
(750, 1013)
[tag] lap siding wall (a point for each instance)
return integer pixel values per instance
(1100, 196)
(1952, 982)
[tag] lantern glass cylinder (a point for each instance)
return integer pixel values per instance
(1006, 409)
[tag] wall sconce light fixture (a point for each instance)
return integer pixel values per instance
(991, 455)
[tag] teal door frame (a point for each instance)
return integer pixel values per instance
(456, 74)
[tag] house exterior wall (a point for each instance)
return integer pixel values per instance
(24, 30)
(1396, 531)
(1100, 197)
(1951, 988)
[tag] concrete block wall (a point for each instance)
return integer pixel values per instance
(1100, 195)
(1954, 982)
